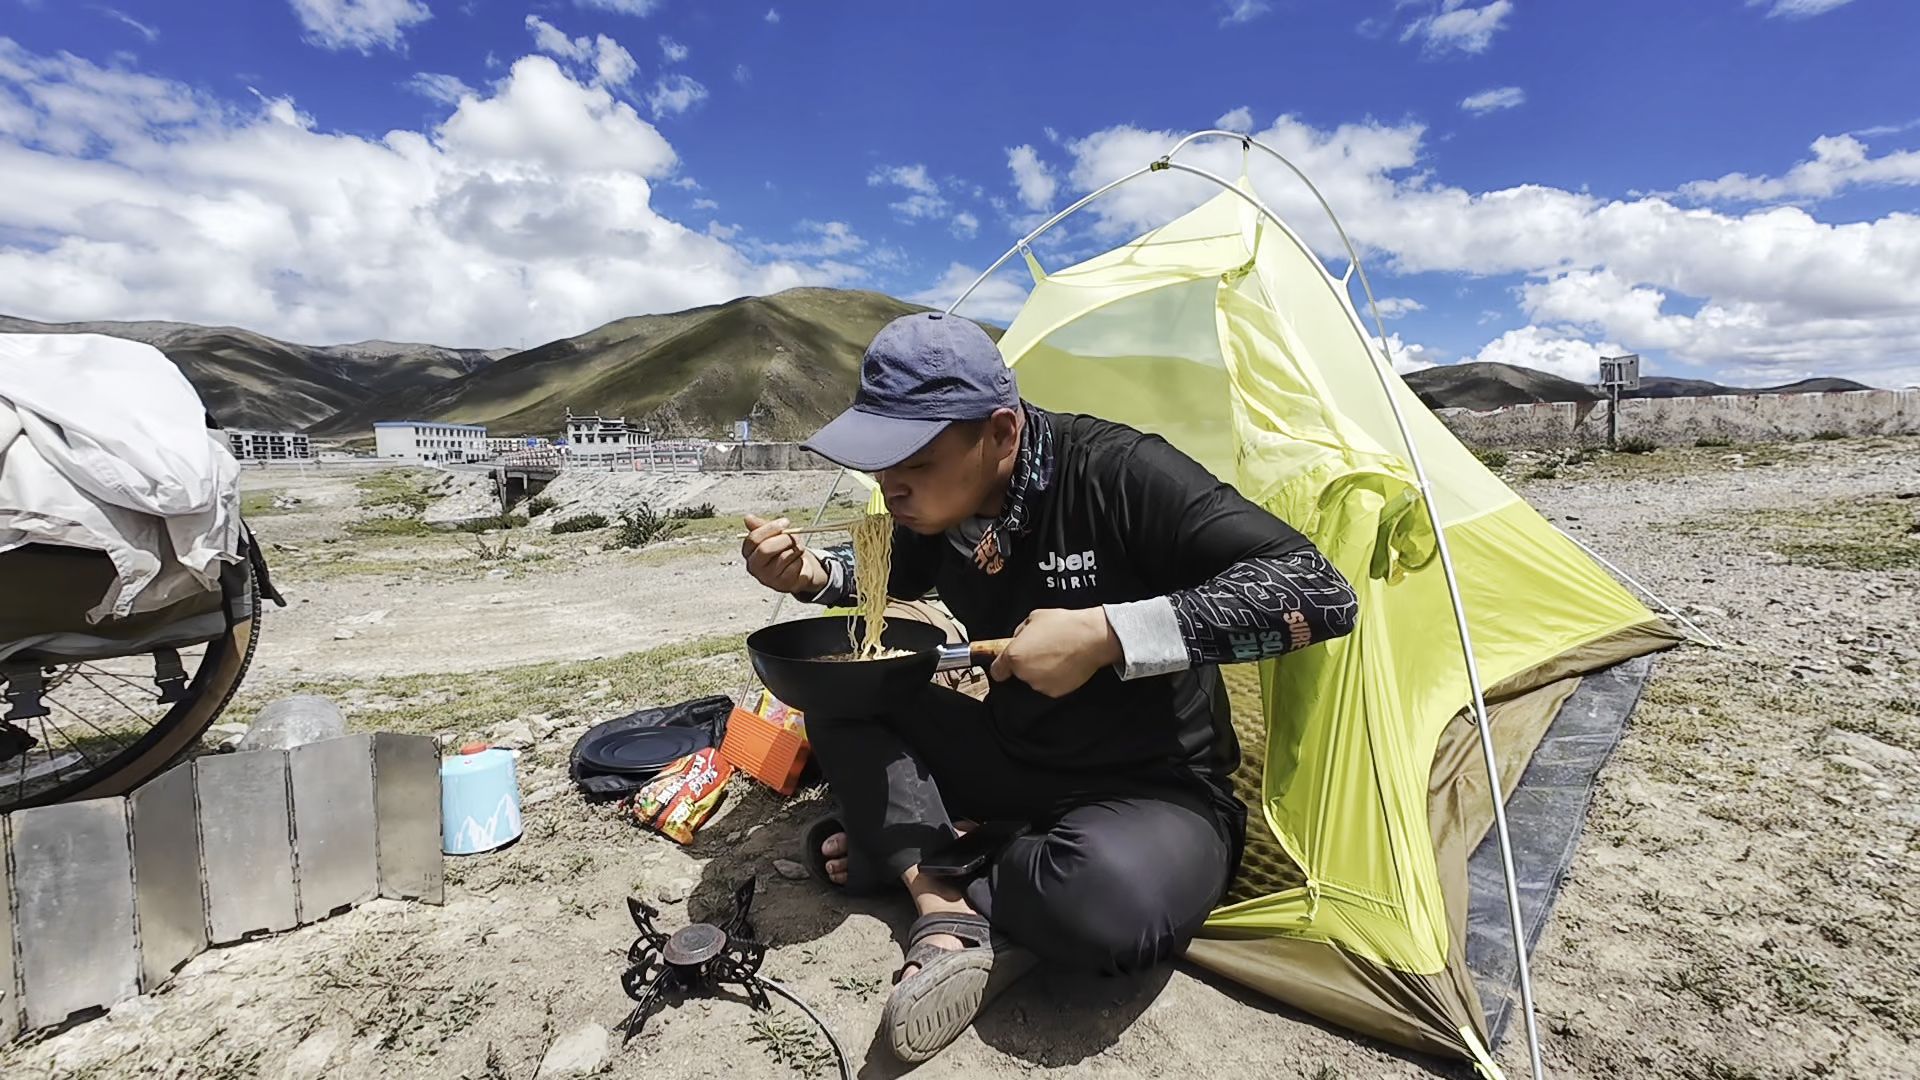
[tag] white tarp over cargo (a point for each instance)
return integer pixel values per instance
(104, 446)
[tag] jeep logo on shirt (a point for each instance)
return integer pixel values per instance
(1069, 572)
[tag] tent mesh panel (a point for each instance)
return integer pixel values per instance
(1266, 868)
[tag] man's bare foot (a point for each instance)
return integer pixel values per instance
(927, 898)
(835, 849)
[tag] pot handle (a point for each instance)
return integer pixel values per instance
(971, 654)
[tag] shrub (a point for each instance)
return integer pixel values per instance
(1830, 436)
(694, 513)
(643, 526)
(1492, 459)
(389, 526)
(1709, 441)
(538, 505)
(580, 523)
(1544, 472)
(492, 522)
(1638, 444)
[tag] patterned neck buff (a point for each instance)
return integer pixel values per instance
(1032, 473)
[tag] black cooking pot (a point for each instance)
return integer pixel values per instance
(791, 659)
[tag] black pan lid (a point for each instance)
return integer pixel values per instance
(642, 750)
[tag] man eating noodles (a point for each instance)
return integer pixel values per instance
(1124, 573)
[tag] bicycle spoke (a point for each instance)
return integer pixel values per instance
(115, 675)
(137, 714)
(107, 735)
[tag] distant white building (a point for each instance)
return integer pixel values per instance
(268, 445)
(424, 440)
(605, 436)
(510, 444)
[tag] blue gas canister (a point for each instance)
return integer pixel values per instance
(479, 800)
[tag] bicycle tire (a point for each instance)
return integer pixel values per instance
(212, 688)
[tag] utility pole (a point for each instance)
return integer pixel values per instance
(1617, 373)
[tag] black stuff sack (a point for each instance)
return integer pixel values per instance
(617, 757)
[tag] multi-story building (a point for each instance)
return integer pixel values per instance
(426, 440)
(605, 436)
(268, 445)
(509, 444)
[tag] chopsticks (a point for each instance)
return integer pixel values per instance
(835, 526)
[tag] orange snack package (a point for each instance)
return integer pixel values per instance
(684, 795)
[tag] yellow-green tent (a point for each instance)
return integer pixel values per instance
(1363, 765)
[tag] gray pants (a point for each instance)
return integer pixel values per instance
(1116, 875)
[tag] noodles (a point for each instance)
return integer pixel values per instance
(872, 567)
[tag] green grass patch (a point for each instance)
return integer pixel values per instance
(395, 488)
(493, 522)
(1544, 472)
(538, 505)
(389, 527)
(642, 526)
(1708, 442)
(255, 504)
(1492, 459)
(477, 701)
(580, 523)
(1829, 436)
(1844, 534)
(1637, 444)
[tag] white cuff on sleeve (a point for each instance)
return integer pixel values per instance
(1150, 640)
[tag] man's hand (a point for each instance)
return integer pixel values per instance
(778, 560)
(1056, 650)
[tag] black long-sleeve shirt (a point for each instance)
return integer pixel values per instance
(1117, 518)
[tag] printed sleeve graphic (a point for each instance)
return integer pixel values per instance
(1264, 607)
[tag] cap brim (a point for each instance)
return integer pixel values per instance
(869, 442)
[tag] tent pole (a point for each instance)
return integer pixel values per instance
(1453, 587)
(1044, 226)
(1705, 638)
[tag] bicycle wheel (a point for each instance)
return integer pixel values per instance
(106, 733)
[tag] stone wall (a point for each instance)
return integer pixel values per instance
(761, 457)
(1681, 421)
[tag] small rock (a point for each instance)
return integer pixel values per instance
(226, 736)
(309, 1060)
(1853, 763)
(675, 891)
(344, 635)
(571, 734)
(497, 573)
(790, 870)
(1868, 748)
(512, 735)
(546, 793)
(580, 1052)
(375, 616)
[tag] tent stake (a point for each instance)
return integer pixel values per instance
(1704, 638)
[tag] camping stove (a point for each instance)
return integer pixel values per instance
(704, 957)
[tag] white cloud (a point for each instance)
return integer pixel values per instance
(1797, 9)
(1459, 25)
(912, 177)
(1244, 11)
(742, 74)
(1406, 356)
(773, 15)
(1033, 177)
(1565, 355)
(1240, 119)
(964, 225)
(611, 63)
(1832, 296)
(675, 94)
(705, 204)
(820, 239)
(1394, 307)
(672, 50)
(1486, 101)
(924, 199)
(620, 7)
(152, 34)
(359, 24)
(1839, 161)
(446, 89)
(526, 213)
(685, 183)
(997, 300)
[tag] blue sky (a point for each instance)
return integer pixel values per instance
(1725, 186)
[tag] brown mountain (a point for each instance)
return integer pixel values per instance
(788, 361)
(249, 380)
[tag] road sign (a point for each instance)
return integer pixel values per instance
(1620, 371)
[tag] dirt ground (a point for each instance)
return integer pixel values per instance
(1743, 905)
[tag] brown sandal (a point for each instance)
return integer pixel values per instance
(931, 1007)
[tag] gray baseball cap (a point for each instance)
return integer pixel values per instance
(921, 373)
